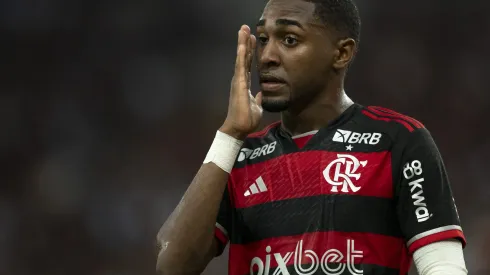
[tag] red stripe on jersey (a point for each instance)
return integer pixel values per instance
(220, 236)
(264, 131)
(415, 122)
(375, 117)
(437, 237)
(312, 248)
(313, 173)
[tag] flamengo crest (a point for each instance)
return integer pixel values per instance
(344, 170)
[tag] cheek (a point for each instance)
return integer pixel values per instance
(298, 61)
(310, 57)
(307, 65)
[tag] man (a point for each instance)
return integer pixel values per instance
(334, 188)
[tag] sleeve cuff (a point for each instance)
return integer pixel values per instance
(221, 234)
(436, 235)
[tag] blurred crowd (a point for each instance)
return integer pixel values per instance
(108, 109)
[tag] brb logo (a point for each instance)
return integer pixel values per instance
(332, 262)
(246, 153)
(344, 170)
(345, 136)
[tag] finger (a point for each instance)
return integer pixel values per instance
(252, 45)
(249, 52)
(250, 55)
(242, 34)
(243, 37)
(240, 49)
(258, 99)
(249, 80)
(243, 44)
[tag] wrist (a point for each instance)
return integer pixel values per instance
(232, 133)
(224, 151)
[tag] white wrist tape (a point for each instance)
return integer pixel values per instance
(223, 151)
(441, 258)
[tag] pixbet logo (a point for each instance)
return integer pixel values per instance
(345, 168)
(246, 153)
(332, 262)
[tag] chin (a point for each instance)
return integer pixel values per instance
(274, 105)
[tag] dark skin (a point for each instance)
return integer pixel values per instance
(295, 48)
(293, 44)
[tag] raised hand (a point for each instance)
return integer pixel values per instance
(244, 110)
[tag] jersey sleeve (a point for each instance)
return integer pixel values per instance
(223, 222)
(426, 209)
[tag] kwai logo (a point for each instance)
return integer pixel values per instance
(332, 262)
(413, 171)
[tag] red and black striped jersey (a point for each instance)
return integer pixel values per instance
(359, 197)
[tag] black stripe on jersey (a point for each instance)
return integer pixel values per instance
(259, 149)
(317, 213)
(366, 268)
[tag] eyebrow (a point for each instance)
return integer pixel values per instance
(282, 22)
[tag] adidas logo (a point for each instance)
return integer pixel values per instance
(257, 187)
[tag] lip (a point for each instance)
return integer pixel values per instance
(271, 82)
(271, 86)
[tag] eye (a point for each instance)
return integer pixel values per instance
(263, 39)
(290, 40)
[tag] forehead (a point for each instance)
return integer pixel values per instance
(298, 10)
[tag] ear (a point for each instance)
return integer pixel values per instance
(346, 49)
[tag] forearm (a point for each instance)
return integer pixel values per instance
(441, 258)
(190, 227)
(186, 239)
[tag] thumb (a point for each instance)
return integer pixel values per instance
(258, 99)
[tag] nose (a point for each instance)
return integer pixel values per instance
(269, 55)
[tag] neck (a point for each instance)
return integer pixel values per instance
(318, 113)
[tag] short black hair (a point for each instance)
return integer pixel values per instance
(342, 15)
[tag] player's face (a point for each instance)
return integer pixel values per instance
(294, 54)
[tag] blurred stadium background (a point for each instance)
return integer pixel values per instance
(108, 109)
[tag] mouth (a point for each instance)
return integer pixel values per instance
(271, 82)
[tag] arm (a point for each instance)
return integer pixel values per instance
(426, 209)
(440, 258)
(186, 239)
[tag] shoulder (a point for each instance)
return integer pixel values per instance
(409, 137)
(264, 135)
(400, 127)
(260, 143)
(265, 131)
